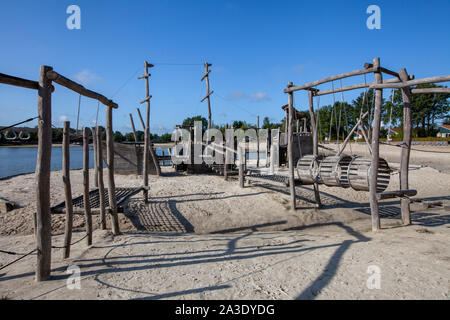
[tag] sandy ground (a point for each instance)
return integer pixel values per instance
(201, 237)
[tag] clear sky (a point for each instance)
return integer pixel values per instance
(255, 47)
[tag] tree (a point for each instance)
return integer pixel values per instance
(190, 122)
(118, 137)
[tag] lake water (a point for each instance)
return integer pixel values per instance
(14, 161)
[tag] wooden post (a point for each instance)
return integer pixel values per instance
(133, 127)
(257, 142)
(145, 167)
(94, 142)
(375, 149)
(67, 189)
(43, 217)
(101, 185)
(290, 147)
(315, 136)
(86, 198)
(110, 163)
(406, 148)
(208, 93)
(241, 165)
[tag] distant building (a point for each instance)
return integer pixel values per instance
(444, 131)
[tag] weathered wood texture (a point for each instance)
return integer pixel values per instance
(208, 93)
(101, 185)
(289, 150)
(329, 79)
(110, 164)
(410, 83)
(67, 189)
(65, 82)
(406, 148)
(18, 82)
(315, 135)
(430, 90)
(86, 200)
(43, 218)
(94, 143)
(374, 208)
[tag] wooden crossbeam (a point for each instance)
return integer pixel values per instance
(209, 94)
(209, 71)
(430, 90)
(410, 83)
(18, 82)
(146, 99)
(72, 85)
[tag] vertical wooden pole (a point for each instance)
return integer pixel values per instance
(315, 136)
(43, 217)
(145, 168)
(406, 148)
(257, 142)
(375, 149)
(290, 147)
(94, 142)
(110, 163)
(86, 198)
(67, 189)
(101, 185)
(298, 125)
(241, 165)
(207, 65)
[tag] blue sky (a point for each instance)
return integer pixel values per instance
(256, 48)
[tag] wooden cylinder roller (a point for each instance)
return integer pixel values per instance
(333, 171)
(359, 173)
(308, 169)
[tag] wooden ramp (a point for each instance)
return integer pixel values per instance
(121, 195)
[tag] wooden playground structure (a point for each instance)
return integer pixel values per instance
(371, 174)
(101, 200)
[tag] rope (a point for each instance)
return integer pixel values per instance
(29, 120)
(402, 145)
(56, 247)
(25, 255)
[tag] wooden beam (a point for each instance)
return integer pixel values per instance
(94, 142)
(140, 118)
(374, 209)
(430, 90)
(406, 148)
(134, 128)
(86, 198)
(397, 194)
(110, 164)
(315, 135)
(101, 185)
(410, 83)
(384, 70)
(207, 73)
(146, 99)
(290, 151)
(209, 94)
(344, 144)
(18, 82)
(43, 218)
(67, 189)
(329, 79)
(65, 82)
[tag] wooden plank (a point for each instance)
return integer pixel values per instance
(86, 198)
(406, 150)
(374, 208)
(43, 217)
(329, 79)
(67, 189)
(18, 82)
(396, 194)
(290, 147)
(110, 163)
(65, 82)
(101, 185)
